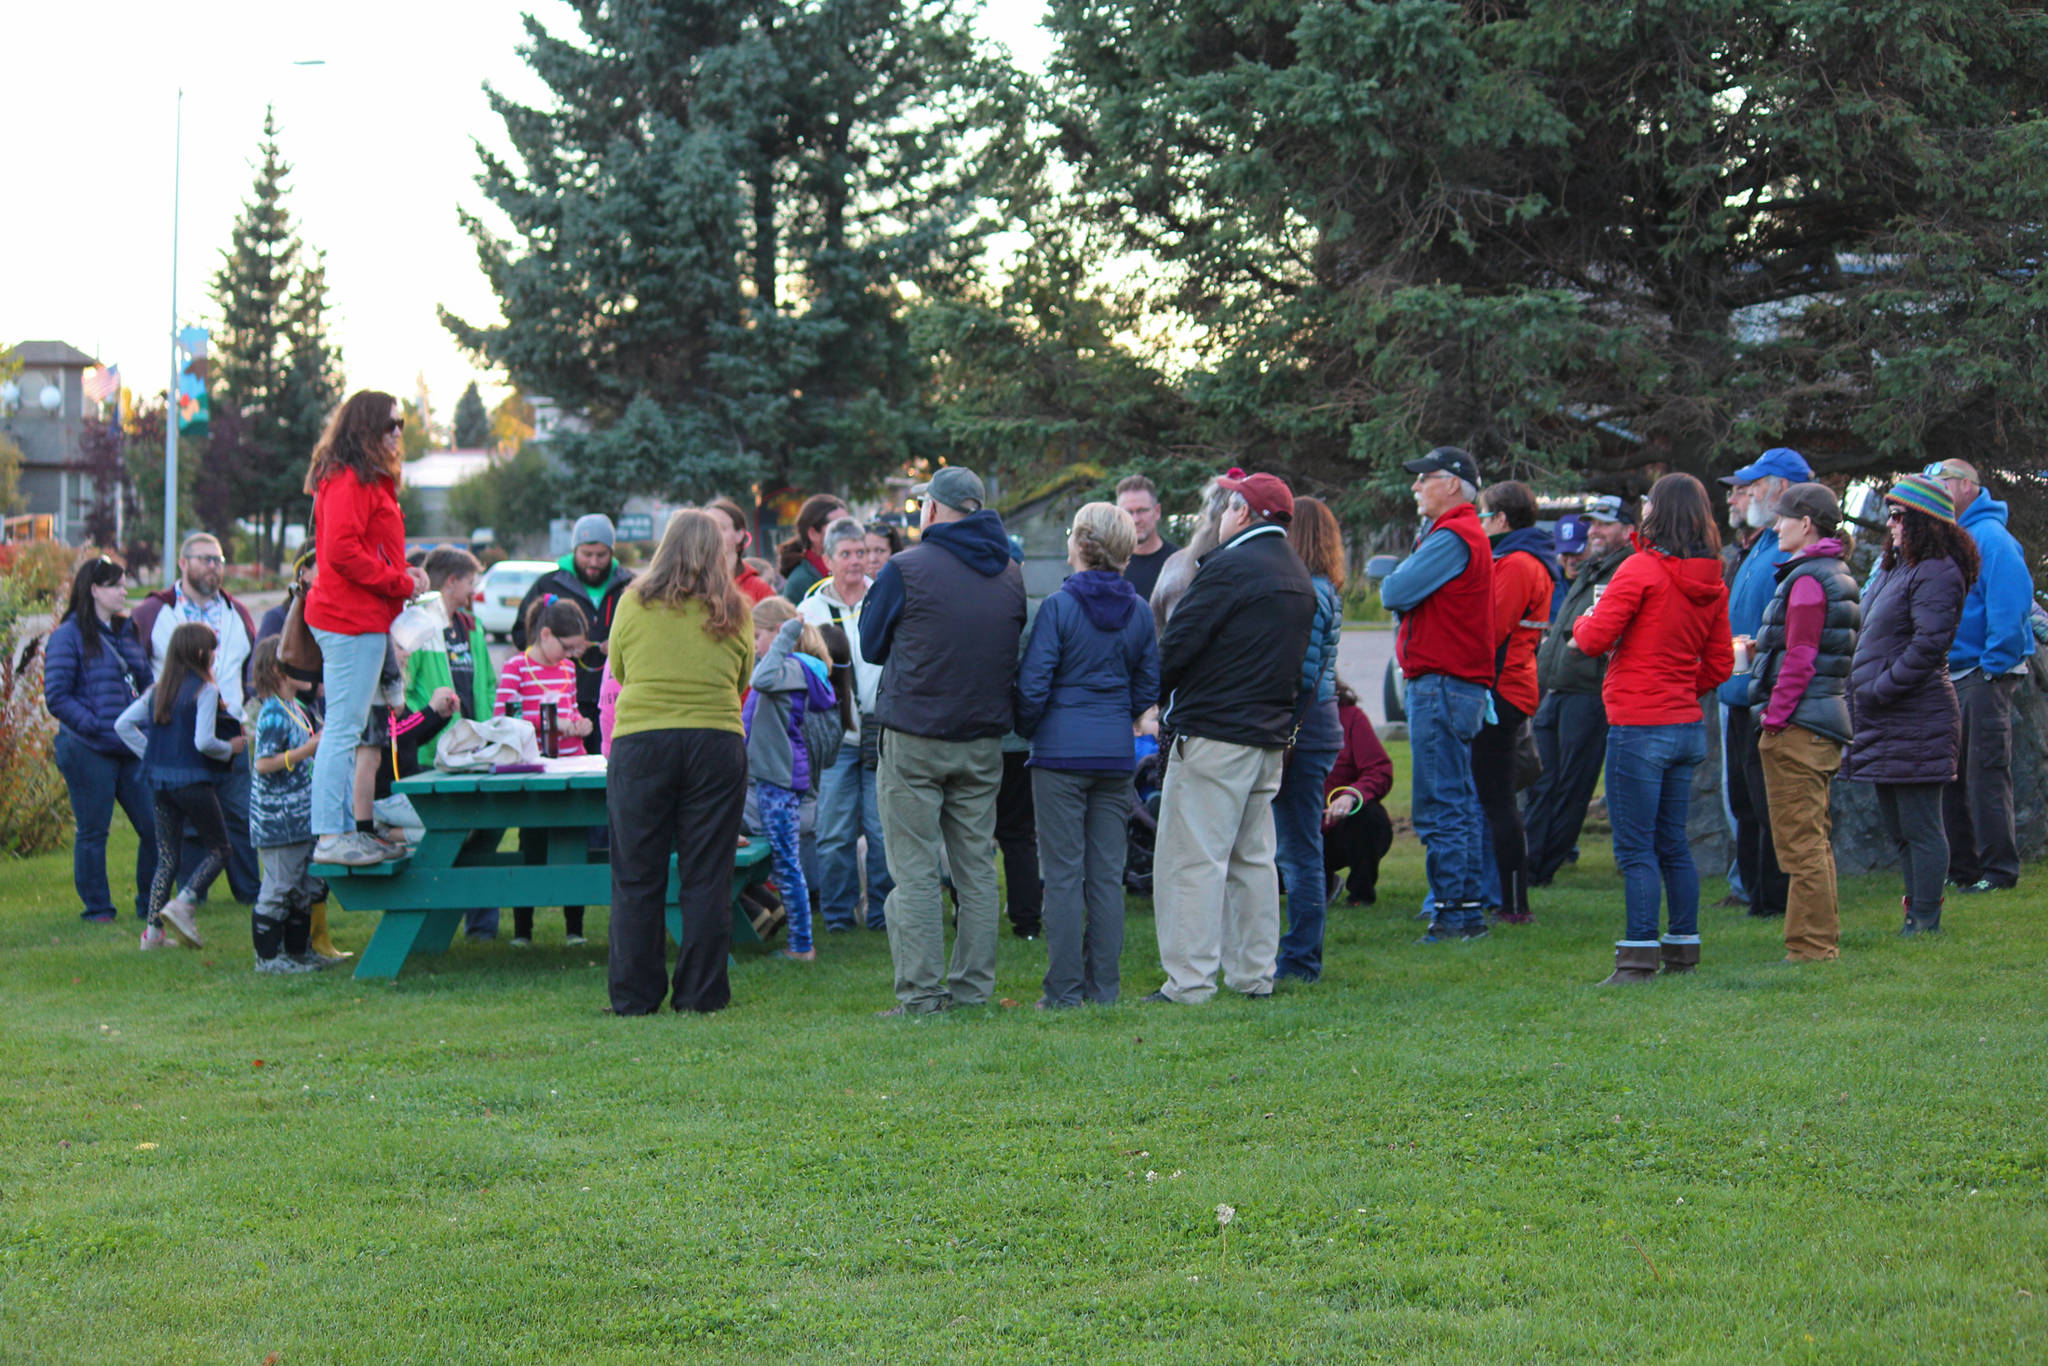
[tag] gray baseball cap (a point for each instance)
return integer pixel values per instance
(956, 486)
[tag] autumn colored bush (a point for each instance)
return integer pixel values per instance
(35, 809)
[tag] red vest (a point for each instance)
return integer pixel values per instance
(1451, 630)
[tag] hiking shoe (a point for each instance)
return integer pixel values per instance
(351, 850)
(315, 960)
(1478, 931)
(177, 914)
(284, 965)
(521, 943)
(152, 938)
(1982, 885)
(575, 940)
(1438, 934)
(97, 917)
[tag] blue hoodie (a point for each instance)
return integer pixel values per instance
(1090, 668)
(1531, 540)
(1756, 583)
(1996, 633)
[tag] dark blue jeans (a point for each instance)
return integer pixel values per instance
(1444, 714)
(1649, 793)
(1298, 825)
(97, 781)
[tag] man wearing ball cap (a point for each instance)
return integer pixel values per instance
(1444, 645)
(1231, 700)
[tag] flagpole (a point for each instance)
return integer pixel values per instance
(171, 395)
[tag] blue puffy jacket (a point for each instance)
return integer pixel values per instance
(1996, 633)
(1090, 668)
(86, 690)
(1320, 729)
(1756, 583)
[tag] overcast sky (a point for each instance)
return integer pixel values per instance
(379, 139)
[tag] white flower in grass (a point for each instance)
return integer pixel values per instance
(1225, 1213)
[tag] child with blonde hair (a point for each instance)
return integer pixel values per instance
(791, 681)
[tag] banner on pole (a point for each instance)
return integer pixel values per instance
(193, 411)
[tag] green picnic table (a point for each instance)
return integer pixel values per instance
(423, 896)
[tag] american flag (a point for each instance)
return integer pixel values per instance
(103, 383)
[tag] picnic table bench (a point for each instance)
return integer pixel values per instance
(422, 897)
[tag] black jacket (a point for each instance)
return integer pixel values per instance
(1901, 703)
(943, 620)
(1230, 660)
(1559, 668)
(564, 584)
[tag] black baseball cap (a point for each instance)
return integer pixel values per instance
(1446, 460)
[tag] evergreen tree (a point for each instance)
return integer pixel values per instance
(715, 223)
(272, 362)
(472, 423)
(1615, 238)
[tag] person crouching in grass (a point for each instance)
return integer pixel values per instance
(281, 818)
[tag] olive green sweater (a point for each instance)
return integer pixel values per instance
(673, 675)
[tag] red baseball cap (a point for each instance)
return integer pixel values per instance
(1267, 495)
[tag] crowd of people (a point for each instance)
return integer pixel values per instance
(891, 719)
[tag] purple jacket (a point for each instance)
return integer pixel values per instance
(1902, 707)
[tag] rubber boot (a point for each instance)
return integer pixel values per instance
(1633, 963)
(1923, 922)
(317, 939)
(298, 934)
(268, 936)
(1680, 957)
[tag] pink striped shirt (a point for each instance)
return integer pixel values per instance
(533, 683)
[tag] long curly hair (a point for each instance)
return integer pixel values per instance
(1930, 538)
(354, 440)
(691, 565)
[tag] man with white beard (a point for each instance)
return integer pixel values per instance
(1756, 487)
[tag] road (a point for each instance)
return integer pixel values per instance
(1362, 657)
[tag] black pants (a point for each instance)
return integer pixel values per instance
(673, 793)
(1982, 843)
(1756, 857)
(1017, 837)
(1359, 842)
(1571, 739)
(178, 809)
(231, 790)
(1911, 813)
(1493, 773)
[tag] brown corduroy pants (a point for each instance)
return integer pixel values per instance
(1798, 766)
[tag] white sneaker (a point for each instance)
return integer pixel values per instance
(177, 914)
(152, 938)
(351, 850)
(283, 964)
(575, 939)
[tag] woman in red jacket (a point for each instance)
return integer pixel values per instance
(1525, 570)
(1663, 622)
(363, 584)
(1356, 829)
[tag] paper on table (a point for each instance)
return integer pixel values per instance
(575, 763)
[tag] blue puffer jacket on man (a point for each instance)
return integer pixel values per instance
(1090, 668)
(87, 690)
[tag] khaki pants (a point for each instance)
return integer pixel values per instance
(1216, 892)
(938, 797)
(1797, 767)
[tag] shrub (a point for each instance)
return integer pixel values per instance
(35, 809)
(41, 570)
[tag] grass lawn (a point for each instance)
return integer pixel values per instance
(1452, 1153)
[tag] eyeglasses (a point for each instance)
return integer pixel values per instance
(211, 561)
(1434, 474)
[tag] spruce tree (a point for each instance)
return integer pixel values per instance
(472, 423)
(715, 224)
(1606, 239)
(272, 360)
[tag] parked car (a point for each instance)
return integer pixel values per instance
(499, 591)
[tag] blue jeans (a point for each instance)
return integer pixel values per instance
(1298, 825)
(1649, 794)
(1444, 714)
(350, 665)
(847, 809)
(780, 815)
(97, 781)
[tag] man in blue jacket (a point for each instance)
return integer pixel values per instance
(1755, 488)
(1987, 662)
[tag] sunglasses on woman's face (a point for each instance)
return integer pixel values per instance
(396, 424)
(1894, 515)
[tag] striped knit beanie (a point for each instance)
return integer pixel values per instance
(1927, 495)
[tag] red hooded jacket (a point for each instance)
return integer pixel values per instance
(1665, 621)
(359, 544)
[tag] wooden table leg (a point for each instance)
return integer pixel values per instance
(439, 931)
(396, 935)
